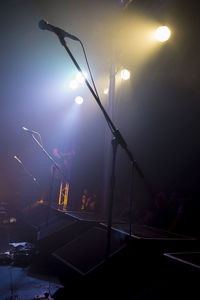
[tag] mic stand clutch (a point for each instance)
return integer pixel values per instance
(117, 139)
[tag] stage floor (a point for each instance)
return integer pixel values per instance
(141, 279)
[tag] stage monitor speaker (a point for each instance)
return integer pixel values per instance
(46, 220)
(188, 259)
(87, 251)
(52, 228)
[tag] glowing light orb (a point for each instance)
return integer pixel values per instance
(73, 84)
(81, 77)
(79, 100)
(162, 34)
(105, 91)
(125, 74)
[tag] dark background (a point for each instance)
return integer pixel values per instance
(157, 111)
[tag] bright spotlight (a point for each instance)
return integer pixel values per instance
(81, 77)
(79, 100)
(162, 34)
(105, 91)
(73, 84)
(125, 74)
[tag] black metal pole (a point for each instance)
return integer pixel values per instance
(110, 204)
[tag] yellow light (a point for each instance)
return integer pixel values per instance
(162, 34)
(105, 91)
(125, 74)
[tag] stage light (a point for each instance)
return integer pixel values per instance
(79, 100)
(105, 91)
(81, 77)
(73, 84)
(125, 74)
(162, 34)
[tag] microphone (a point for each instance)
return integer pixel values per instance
(44, 25)
(29, 131)
(17, 159)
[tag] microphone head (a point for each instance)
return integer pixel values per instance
(43, 24)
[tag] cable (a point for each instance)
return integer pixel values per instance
(96, 92)
(89, 69)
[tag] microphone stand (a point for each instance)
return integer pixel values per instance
(55, 166)
(27, 171)
(117, 140)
